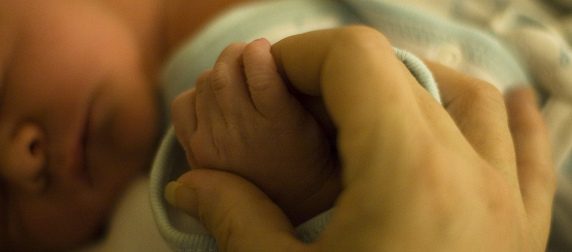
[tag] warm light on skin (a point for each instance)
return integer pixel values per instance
(73, 81)
(67, 66)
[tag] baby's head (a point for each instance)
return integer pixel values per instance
(78, 120)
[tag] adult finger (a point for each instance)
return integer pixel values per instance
(365, 101)
(536, 174)
(479, 112)
(236, 212)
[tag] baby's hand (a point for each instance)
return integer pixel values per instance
(241, 118)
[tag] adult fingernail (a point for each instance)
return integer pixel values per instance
(182, 196)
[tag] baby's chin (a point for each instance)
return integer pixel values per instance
(89, 225)
(112, 170)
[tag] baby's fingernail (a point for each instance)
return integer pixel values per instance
(182, 197)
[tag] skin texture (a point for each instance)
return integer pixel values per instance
(78, 121)
(101, 51)
(473, 175)
(241, 118)
(78, 109)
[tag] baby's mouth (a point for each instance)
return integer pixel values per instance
(76, 170)
(86, 138)
(93, 139)
(84, 169)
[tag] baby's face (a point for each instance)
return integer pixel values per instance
(78, 120)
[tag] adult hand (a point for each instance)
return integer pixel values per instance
(466, 177)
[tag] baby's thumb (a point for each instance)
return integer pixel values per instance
(236, 212)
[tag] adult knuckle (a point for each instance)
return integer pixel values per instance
(222, 228)
(364, 37)
(481, 97)
(534, 126)
(484, 93)
(499, 199)
(228, 228)
(547, 177)
(437, 181)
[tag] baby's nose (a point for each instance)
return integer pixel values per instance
(25, 158)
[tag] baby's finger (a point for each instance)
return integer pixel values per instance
(234, 211)
(479, 112)
(185, 120)
(207, 110)
(536, 174)
(267, 90)
(228, 82)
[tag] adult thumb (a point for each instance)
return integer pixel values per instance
(236, 212)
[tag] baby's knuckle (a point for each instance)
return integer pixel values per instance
(182, 101)
(203, 79)
(178, 103)
(218, 78)
(232, 49)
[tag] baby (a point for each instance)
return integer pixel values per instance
(78, 120)
(79, 116)
(79, 109)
